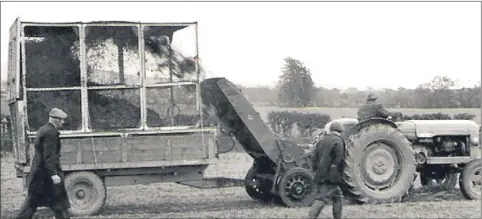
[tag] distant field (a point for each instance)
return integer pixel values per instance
(352, 112)
(333, 112)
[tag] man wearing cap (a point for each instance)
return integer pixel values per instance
(372, 109)
(45, 181)
(328, 163)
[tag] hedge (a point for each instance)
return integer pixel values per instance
(282, 122)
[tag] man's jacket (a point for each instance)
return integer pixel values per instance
(328, 160)
(45, 164)
(372, 109)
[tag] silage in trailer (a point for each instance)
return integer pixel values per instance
(112, 58)
(51, 61)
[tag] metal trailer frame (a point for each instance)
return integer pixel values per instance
(188, 171)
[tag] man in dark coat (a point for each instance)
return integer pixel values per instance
(45, 181)
(372, 109)
(328, 165)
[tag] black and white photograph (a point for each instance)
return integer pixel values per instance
(232, 109)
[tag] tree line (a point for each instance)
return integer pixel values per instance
(295, 88)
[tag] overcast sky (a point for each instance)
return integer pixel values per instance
(343, 44)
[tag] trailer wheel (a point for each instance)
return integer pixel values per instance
(87, 193)
(297, 188)
(470, 180)
(261, 192)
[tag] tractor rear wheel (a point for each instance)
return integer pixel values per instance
(380, 165)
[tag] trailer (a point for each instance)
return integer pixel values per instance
(137, 112)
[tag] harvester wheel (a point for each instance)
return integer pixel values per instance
(380, 165)
(470, 180)
(448, 181)
(261, 192)
(297, 188)
(258, 194)
(87, 193)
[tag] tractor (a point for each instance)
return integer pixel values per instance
(384, 157)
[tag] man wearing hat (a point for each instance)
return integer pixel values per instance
(372, 109)
(328, 162)
(45, 181)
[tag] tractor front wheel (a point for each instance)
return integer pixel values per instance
(470, 180)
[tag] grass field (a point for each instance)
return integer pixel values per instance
(169, 200)
(352, 112)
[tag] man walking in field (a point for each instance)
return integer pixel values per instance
(45, 181)
(328, 164)
(372, 109)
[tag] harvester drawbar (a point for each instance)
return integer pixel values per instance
(281, 170)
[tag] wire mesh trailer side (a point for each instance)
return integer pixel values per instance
(125, 85)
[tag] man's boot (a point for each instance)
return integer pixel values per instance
(337, 208)
(26, 210)
(62, 214)
(315, 209)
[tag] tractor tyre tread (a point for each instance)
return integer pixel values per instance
(464, 179)
(354, 155)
